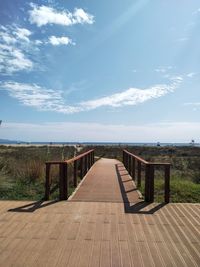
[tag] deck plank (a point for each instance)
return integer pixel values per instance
(106, 228)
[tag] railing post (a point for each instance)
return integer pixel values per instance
(167, 183)
(85, 166)
(130, 165)
(133, 168)
(63, 184)
(88, 161)
(92, 157)
(123, 157)
(147, 173)
(75, 173)
(139, 174)
(47, 182)
(151, 183)
(81, 168)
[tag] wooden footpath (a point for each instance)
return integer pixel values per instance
(103, 224)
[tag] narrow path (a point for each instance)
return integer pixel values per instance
(107, 181)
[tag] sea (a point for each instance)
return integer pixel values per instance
(8, 142)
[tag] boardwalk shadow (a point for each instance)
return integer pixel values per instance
(33, 206)
(141, 207)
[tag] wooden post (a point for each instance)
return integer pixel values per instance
(88, 157)
(85, 166)
(139, 174)
(81, 168)
(167, 183)
(130, 164)
(151, 183)
(75, 173)
(133, 168)
(47, 182)
(63, 185)
(123, 157)
(147, 182)
(92, 157)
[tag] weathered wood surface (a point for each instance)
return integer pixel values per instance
(84, 233)
(107, 181)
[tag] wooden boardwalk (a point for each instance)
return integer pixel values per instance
(103, 224)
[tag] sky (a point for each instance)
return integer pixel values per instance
(109, 71)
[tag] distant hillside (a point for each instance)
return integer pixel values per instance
(7, 141)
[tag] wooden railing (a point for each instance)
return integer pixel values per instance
(84, 161)
(133, 163)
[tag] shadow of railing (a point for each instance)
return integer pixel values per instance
(140, 206)
(33, 206)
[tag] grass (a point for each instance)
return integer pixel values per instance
(184, 191)
(22, 170)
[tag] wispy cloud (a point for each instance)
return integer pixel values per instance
(163, 69)
(42, 15)
(182, 39)
(53, 100)
(191, 74)
(13, 60)
(23, 34)
(64, 40)
(13, 48)
(194, 104)
(36, 96)
(133, 96)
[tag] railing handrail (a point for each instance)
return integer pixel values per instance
(136, 157)
(146, 162)
(129, 160)
(79, 156)
(86, 162)
(70, 160)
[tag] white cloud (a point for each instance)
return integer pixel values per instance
(36, 96)
(80, 16)
(13, 49)
(183, 39)
(163, 69)
(23, 34)
(64, 40)
(77, 132)
(133, 96)
(38, 42)
(42, 15)
(52, 100)
(192, 104)
(191, 74)
(13, 60)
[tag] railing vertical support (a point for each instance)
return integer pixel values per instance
(139, 174)
(81, 168)
(47, 182)
(151, 183)
(88, 161)
(129, 164)
(133, 168)
(167, 183)
(75, 173)
(63, 181)
(85, 167)
(147, 174)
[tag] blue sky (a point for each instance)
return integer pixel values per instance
(100, 70)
